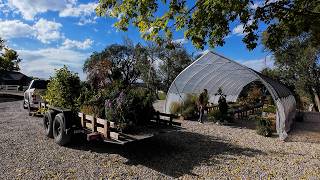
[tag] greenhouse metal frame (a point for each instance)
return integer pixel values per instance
(212, 71)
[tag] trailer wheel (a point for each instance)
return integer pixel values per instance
(59, 132)
(48, 123)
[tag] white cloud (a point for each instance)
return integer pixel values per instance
(14, 29)
(238, 30)
(66, 8)
(77, 11)
(259, 64)
(47, 31)
(30, 8)
(42, 62)
(86, 12)
(44, 30)
(69, 44)
(180, 41)
(86, 20)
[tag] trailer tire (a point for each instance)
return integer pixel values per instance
(59, 131)
(48, 123)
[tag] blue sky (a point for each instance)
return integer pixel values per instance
(48, 34)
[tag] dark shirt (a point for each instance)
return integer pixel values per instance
(203, 99)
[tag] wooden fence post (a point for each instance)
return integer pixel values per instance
(94, 122)
(83, 120)
(107, 129)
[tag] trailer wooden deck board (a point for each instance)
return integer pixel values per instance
(108, 133)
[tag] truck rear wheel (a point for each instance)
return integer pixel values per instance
(48, 123)
(25, 106)
(59, 131)
(29, 109)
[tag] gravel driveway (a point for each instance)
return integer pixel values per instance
(199, 151)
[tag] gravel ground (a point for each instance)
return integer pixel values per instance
(200, 151)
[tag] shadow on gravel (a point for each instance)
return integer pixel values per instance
(9, 98)
(174, 154)
(308, 132)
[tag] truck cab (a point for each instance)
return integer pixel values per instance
(32, 96)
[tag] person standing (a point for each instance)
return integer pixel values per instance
(203, 101)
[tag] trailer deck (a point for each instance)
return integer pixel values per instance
(97, 128)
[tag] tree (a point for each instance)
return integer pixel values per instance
(9, 58)
(115, 64)
(147, 65)
(297, 66)
(173, 62)
(63, 89)
(208, 21)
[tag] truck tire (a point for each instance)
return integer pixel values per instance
(25, 104)
(29, 109)
(48, 123)
(59, 131)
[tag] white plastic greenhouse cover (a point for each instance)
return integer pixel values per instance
(212, 71)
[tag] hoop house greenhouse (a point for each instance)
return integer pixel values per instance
(212, 71)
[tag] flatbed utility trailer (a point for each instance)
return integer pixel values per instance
(61, 124)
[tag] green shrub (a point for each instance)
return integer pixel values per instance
(162, 95)
(189, 106)
(63, 89)
(175, 108)
(88, 109)
(130, 107)
(189, 112)
(264, 127)
(214, 116)
(269, 109)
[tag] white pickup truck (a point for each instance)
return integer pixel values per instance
(32, 96)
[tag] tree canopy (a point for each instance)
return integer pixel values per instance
(9, 58)
(297, 65)
(115, 63)
(127, 64)
(208, 21)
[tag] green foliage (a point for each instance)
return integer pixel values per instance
(115, 63)
(208, 21)
(162, 95)
(131, 107)
(297, 66)
(189, 112)
(294, 19)
(264, 126)
(188, 108)
(222, 103)
(63, 89)
(269, 109)
(9, 59)
(215, 116)
(204, 21)
(174, 61)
